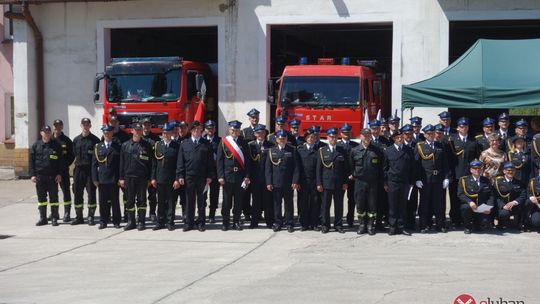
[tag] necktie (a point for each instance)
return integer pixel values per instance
(398, 148)
(107, 145)
(431, 145)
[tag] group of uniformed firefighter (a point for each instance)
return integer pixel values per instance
(390, 175)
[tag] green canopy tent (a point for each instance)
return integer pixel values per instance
(491, 74)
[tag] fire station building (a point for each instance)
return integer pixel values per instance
(59, 46)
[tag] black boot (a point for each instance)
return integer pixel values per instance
(130, 221)
(78, 217)
(371, 226)
(141, 224)
(362, 227)
(42, 216)
(67, 211)
(54, 215)
(212, 216)
(91, 213)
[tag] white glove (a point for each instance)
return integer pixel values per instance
(419, 184)
(445, 183)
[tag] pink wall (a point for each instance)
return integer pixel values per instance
(6, 75)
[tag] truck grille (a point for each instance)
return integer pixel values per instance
(158, 119)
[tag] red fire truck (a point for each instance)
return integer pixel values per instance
(162, 88)
(329, 94)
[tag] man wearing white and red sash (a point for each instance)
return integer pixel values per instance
(233, 172)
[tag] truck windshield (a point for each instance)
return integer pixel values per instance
(144, 86)
(321, 90)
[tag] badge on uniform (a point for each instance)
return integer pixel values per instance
(91, 151)
(143, 157)
(375, 161)
(52, 156)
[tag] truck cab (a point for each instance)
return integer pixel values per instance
(162, 88)
(329, 94)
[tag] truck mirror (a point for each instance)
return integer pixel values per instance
(271, 91)
(99, 77)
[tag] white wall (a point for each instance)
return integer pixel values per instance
(75, 38)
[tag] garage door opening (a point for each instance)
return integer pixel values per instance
(463, 34)
(199, 44)
(357, 41)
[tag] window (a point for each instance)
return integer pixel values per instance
(191, 84)
(8, 24)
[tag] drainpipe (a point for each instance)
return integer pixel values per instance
(40, 96)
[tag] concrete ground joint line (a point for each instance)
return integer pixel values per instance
(60, 253)
(219, 269)
(19, 201)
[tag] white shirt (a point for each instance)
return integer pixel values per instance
(108, 144)
(463, 138)
(195, 140)
(399, 148)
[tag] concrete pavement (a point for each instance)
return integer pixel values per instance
(82, 264)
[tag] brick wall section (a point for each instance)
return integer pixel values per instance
(14, 158)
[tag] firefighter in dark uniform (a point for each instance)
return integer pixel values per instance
(521, 130)
(281, 121)
(348, 144)
(45, 166)
(509, 195)
(504, 131)
(416, 124)
(135, 174)
(67, 152)
(195, 169)
(318, 144)
(182, 132)
(366, 165)
(464, 149)
(233, 173)
(214, 140)
(118, 133)
(122, 136)
(445, 120)
(261, 197)
(332, 180)
(249, 132)
(482, 139)
(393, 125)
(432, 178)
(152, 192)
(532, 205)
(296, 138)
(164, 177)
(317, 136)
(282, 176)
(474, 190)
(521, 158)
(377, 140)
(412, 199)
(383, 128)
(382, 197)
(105, 172)
(399, 175)
(83, 146)
(309, 200)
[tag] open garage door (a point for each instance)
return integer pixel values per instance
(198, 44)
(359, 41)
